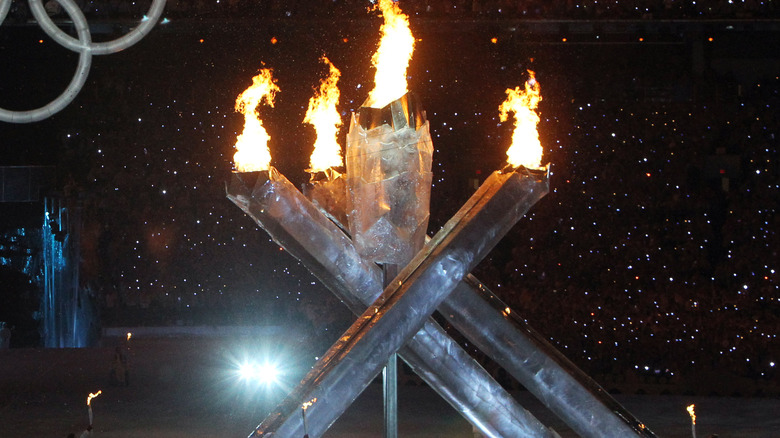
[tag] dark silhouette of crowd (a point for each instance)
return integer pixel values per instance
(464, 9)
(654, 255)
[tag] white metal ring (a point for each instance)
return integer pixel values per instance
(104, 48)
(83, 46)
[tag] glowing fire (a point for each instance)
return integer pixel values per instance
(252, 153)
(392, 57)
(91, 396)
(526, 150)
(129, 335)
(691, 413)
(323, 115)
(309, 403)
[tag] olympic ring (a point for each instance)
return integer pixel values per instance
(83, 46)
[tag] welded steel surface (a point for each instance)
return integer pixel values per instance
(560, 385)
(404, 306)
(479, 315)
(295, 224)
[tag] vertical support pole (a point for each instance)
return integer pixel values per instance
(390, 373)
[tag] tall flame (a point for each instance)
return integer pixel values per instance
(252, 152)
(392, 57)
(323, 115)
(91, 396)
(692, 414)
(526, 150)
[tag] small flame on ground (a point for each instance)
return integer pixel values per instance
(323, 115)
(526, 150)
(691, 413)
(252, 152)
(93, 395)
(392, 57)
(308, 403)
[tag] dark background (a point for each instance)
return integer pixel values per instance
(654, 253)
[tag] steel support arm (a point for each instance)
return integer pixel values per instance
(295, 224)
(349, 366)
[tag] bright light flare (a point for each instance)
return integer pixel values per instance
(323, 115)
(308, 403)
(252, 152)
(691, 413)
(526, 150)
(392, 57)
(262, 373)
(91, 396)
(129, 335)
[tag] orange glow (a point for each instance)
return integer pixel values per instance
(641, 39)
(345, 39)
(274, 40)
(309, 403)
(494, 40)
(129, 335)
(691, 413)
(252, 153)
(392, 57)
(201, 41)
(526, 150)
(91, 396)
(710, 39)
(323, 115)
(563, 39)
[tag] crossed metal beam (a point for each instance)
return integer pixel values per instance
(306, 233)
(401, 310)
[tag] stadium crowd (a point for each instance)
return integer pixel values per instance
(654, 254)
(474, 9)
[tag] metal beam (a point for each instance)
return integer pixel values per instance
(403, 308)
(299, 227)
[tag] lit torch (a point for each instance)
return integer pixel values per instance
(252, 152)
(693, 420)
(392, 57)
(323, 115)
(526, 150)
(389, 155)
(89, 404)
(326, 188)
(305, 406)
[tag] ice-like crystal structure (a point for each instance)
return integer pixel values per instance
(388, 157)
(328, 191)
(299, 227)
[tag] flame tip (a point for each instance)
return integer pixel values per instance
(523, 102)
(392, 57)
(252, 144)
(324, 116)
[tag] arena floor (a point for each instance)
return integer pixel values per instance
(187, 387)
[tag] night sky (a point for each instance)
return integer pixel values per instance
(637, 259)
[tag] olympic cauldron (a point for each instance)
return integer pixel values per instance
(388, 188)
